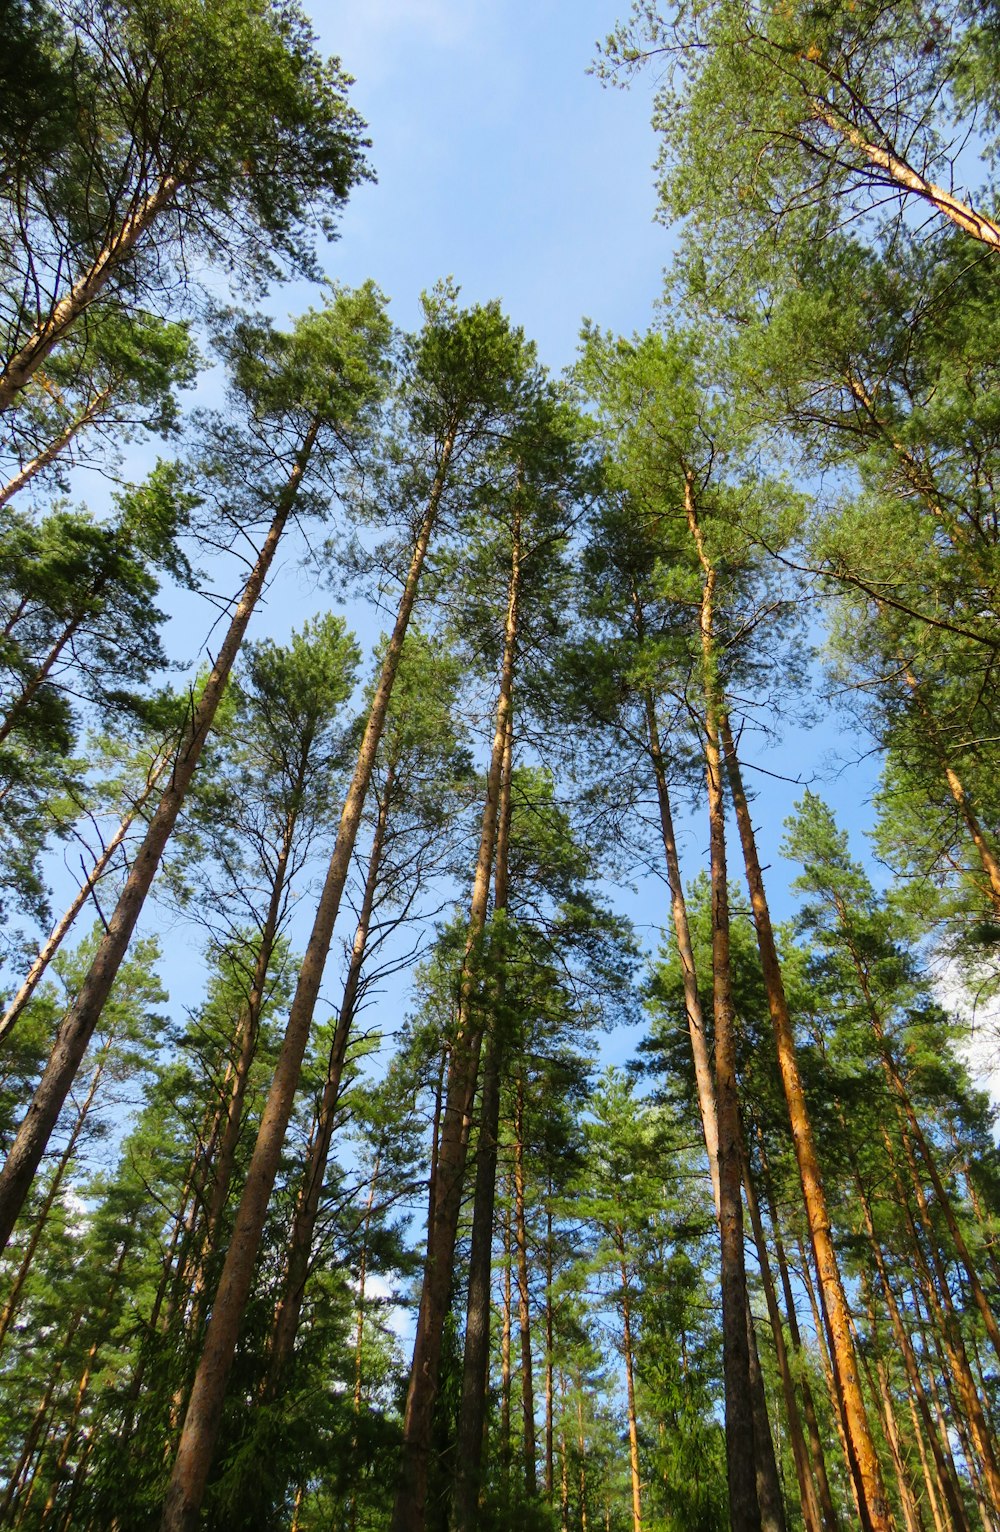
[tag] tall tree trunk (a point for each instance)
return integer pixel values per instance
(194, 1453)
(873, 1503)
(830, 1520)
(476, 1360)
(81, 1019)
(506, 1328)
(628, 1357)
(945, 1467)
(59, 1175)
(948, 1327)
(446, 1191)
(88, 286)
(359, 1333)
(549, 1349)
(768, 1487)
(61, 929)
(524, 1297)
(744, 1510)
(807, 1492)
(286, 1319)
(58, 444)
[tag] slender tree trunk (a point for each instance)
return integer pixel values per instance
(874, 1506)
(88, 286)
(14, 1486)
(19, 705)
(549, 1349)
(523, 1296)
(944, 1465)
(932, 1484)
(81, 1019)
(768, 1488)
(685, 949)
(829, 1518)
(945, 202)
(59, 931)
(57, 445)
(286, 1319)
(744, 1510)
(65, 1160)
(633, 1425)
(583, 1456)
(880, 1386)
(807, 1492)
(948, 1327)
(409, 1509)
(476, 1361)
(194, 1453)
(359, 1333)
(506, 1328)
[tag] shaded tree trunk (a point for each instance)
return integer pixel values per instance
(476, 1360)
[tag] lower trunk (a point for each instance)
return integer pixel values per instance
(633, 1424)
(807, 1493)
(524, 1307)
(829, 1519)
(942, 1459)
(286, 1321)
(408, 1513)
(744, 1508)
(182, 1505)
(476, 1360)
(873, 1504)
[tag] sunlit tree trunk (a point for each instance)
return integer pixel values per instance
(744, 1510)
(88, 286)
(58, 444)
(59, 931)
(448, 1181)
(194, 1454)
(873, 1504)
(81, 1019)
(307, 1206)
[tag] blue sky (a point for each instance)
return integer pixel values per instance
(500, 162)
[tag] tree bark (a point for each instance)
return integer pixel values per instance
(807, 1491)
(81, 1019)
(88, 286)
(58, 444)
(59, 931)
(476, 1360)
(194, 1453)
(446, 1190)
(744, 1509)
(873, 1503)
(523, 1297)
(286, 1319)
